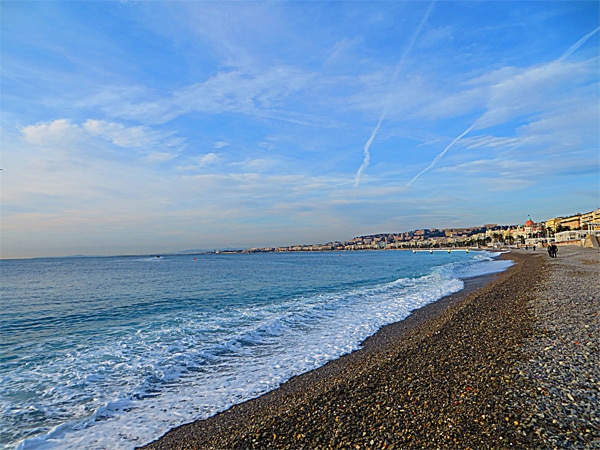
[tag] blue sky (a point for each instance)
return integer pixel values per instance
(149, 127)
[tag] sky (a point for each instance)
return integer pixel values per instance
(142, 127)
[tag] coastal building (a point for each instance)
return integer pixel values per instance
(571, 223)
(552, 224)
(516, 234)
(591, 220)
(581, 230)
(529, 228)
(566, 236)
(580, 238)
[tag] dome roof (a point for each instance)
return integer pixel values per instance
(529, 223)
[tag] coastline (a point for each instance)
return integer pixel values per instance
(441, 378)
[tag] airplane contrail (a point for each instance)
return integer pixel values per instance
(441, 155)
(565, 55)
(573, 48)
(367, 153)
(367, 146)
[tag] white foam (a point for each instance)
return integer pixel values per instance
(196, 378)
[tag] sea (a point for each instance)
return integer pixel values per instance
(112, 352)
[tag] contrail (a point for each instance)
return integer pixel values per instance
(573, 48)
(565, 55)
(441, 155)
(367, 146)
(367, 153)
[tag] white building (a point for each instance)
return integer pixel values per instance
(575, 237)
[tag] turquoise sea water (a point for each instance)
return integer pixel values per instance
(113, 352)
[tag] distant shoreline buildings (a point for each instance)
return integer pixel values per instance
(579, 229)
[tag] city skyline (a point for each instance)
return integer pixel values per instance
(144, 127)
(463, 236)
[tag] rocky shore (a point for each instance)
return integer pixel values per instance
(510, 364)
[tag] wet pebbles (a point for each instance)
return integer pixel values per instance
(514, 364)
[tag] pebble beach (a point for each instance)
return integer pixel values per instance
(512, 361)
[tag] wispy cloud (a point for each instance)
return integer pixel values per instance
(202, 161)
(491, 142)
(221, 144)
(63, 132)
(260, 94)
(117, 133)
(52, 134)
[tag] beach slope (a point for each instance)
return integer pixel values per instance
(510, 362)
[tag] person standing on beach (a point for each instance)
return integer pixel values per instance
(552, 250)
